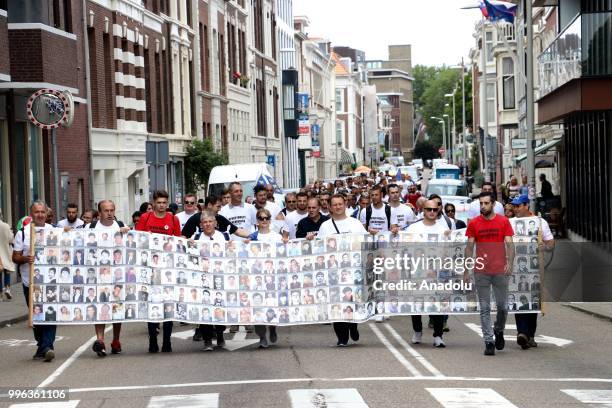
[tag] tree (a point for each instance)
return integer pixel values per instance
(201, 158)
(425, 150)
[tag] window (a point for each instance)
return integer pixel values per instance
(339, 100)
(508, 83)
(489, 45)
(339, 132)
(491, 111)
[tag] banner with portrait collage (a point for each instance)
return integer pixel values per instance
(95, 276)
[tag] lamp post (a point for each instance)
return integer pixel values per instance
(440, 120)
(453, 135)
(448, 142)
(464, 139)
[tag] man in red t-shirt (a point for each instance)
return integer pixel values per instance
(412, 196)
(160, 221)
(495, 256)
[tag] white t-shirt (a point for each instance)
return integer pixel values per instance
(402, 215)
(64, 223)
(273, 208)
(547, 234)
(183, 218)
(378, 220)
(419, 227)
(217, 236)
(345, 226)
(269, 237)
(22, 243)
(291, 222)
(99, 226)
(242, 216)
(474, 210)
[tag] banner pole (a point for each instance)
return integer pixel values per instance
(31, 291)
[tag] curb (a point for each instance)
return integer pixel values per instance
(589, 312)
(13, 320)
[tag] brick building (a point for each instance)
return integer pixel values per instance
(41, 47)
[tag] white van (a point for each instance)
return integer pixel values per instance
(247, 174)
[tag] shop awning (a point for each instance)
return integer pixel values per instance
(346, 157)
(541, 149)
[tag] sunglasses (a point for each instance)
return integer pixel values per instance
(449, 211)
(291, 202)
(190, 202)
(430, 209)
(264, 218)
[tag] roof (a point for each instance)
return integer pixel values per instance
(340, 67)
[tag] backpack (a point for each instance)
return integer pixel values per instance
(369, 215)
(448, 222)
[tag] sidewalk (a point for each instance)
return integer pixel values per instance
(603, 310)
(15, 310)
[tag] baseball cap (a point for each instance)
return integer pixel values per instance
(522, 199)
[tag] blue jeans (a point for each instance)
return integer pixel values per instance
(5, 280)
(44, 335)
(500, 290)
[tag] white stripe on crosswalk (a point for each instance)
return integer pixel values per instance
(185, 401)
(50, 404)
(398, 356)
(469, 398)
(413, 352)
(329, 398)
(598, 398)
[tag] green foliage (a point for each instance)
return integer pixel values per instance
(200, 159)
(426, 151)
(430, 86)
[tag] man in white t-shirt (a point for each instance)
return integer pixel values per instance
(526, 323)
(44, 335)
(401, 215)
(339, 223)
(72, 219)
(107, 221)
(474, 209)
(377, 216)
(190, 206)
(238, 213)
(429, 225)
(293, 218)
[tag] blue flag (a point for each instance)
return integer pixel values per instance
(495, 10)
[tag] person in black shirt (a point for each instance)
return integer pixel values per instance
(213, 203)
(308, 226)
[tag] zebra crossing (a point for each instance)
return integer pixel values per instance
(352, 398)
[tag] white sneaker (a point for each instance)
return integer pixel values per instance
(438, 342)
(416, 337)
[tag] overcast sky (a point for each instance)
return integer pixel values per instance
(439, 31)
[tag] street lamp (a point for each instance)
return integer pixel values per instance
(465, 146)
(447, 143)
(453, 134)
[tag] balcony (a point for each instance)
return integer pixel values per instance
(581, 50)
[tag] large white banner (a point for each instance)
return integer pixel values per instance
(91, 276)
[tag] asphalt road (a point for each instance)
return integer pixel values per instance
(381, 370)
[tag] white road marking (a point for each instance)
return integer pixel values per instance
(185, 401)
(54, 404)
(413, 352)
(598, 398)
(237, 342)
(346, 379)
(469, 398)
(70, 360)
(398, 356)
(328, 398)
(25, 342)
(557, 341)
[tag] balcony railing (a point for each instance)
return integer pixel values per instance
(581, 50)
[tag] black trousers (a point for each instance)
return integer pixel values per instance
(343, 331)
(167, 326)
(208, 331)
(526, 323)
(438, 323)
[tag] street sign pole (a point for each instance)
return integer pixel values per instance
(530, 107)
